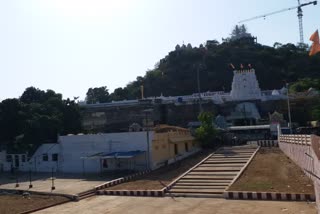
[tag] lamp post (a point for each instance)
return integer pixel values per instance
(289, 111)
(17, 180)
(204, 52)
(30, 184)
(198, 85)
(52, 180)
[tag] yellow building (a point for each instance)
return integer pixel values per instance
(170, 144)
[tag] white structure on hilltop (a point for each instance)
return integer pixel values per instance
(245, 85)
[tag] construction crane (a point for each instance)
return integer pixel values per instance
(284, 10)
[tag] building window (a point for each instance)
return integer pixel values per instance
(45, 157)
(9, 158)
(187, 147)
(23, 158)
(175, 149)
(55, 157)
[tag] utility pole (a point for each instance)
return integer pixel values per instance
(148, 143)
(289, 111)
(198, 83)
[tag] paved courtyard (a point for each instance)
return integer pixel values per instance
(167, 205)
(64, 183)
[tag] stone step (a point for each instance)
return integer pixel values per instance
(216, 169)
(210, 177)
(213, 173)
(230, 156)
(207, 191)
(202, 184)
(226, 161)
(200, 187)
(234, 152)
(183, 180)
(237, 150)
(216, 165)
(194, 195)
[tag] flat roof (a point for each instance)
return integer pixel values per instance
(233, 128)
(122, 155)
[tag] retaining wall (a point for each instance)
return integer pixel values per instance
(304, 150)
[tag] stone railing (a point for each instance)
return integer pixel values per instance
(304, 150)
(315, 143)
(296, 139)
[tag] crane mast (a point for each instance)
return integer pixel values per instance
(300, 22)
(299, 11)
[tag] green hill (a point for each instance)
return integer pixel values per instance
(176, 73)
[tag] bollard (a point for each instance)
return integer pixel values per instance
(52, 180)
(30, 184)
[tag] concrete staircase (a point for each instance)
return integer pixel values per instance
(215, 174)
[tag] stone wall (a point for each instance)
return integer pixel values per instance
(304, 151)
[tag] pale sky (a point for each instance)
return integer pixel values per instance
(71, 45)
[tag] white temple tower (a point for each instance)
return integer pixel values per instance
(245, 85)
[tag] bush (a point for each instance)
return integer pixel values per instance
(206, 133)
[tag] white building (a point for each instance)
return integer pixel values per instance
(45, 159)
(9, 162)
(87, 153)
(95, 153)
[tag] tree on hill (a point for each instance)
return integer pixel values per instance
(36, 117)
(120, 94)
(98, 95)
(316, 113)
(176, 73)
(239, 31)
(305, 84)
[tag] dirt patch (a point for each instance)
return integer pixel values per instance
(163, 176)
(272, 171)
(17, 203)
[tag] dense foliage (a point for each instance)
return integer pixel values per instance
(98, 95)
(305, 84)
(36, 117)
(176, 73)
